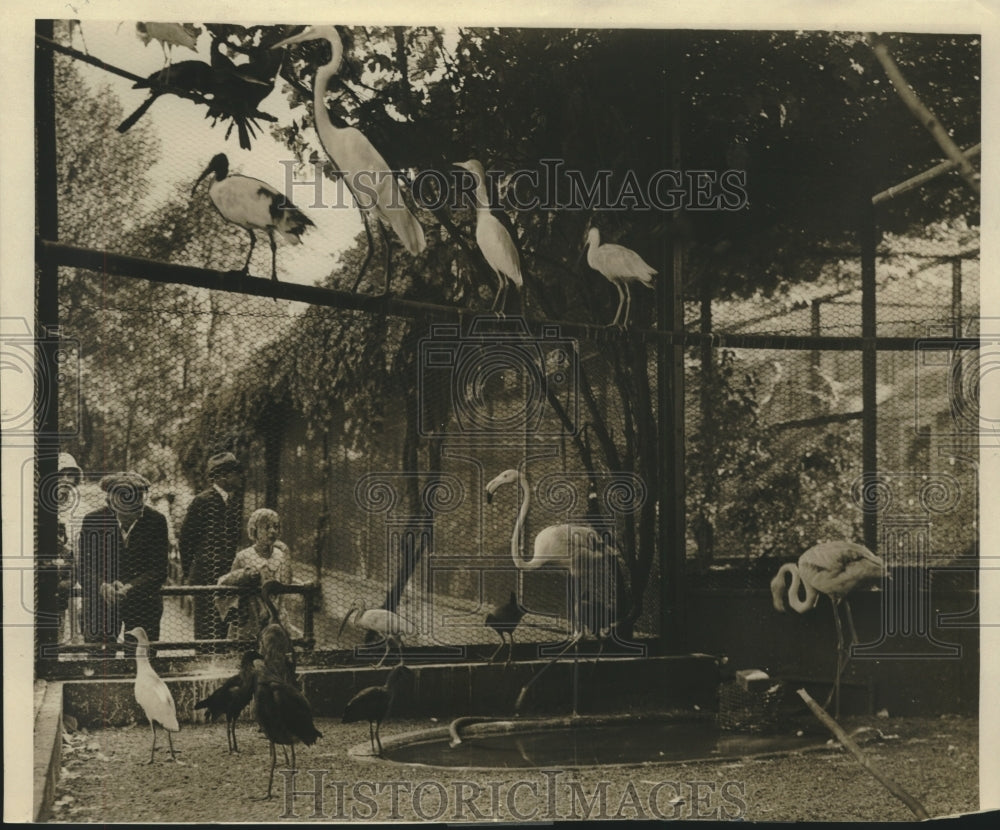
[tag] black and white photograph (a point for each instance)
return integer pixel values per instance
(453, 414)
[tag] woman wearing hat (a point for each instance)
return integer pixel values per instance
(124, 550)
(209, 538)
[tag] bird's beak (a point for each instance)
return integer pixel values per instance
(489, 497)
(347, 616)
(305, 34)
(202, 176)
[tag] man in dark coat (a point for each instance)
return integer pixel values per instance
(124, 550)
(209, 538)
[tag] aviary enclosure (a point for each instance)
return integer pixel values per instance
(782, 351)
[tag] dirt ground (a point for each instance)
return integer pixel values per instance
(105, 779)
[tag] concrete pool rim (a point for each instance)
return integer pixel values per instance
(480, 726)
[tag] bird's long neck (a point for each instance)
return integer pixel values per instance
(515, 539)
(323, 76)
(778, 590)
(142, 660)
(482, 197)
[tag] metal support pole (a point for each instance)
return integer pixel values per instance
(46, 352)
(670, 393)
(869, 364)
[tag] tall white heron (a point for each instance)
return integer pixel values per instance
(152, 694)
(367, 175)
(493, 239)
(833, 569)
(621, 266)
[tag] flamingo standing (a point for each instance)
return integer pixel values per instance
(152, 694)
(373, 704)
(253, 205)
(366, 173)
(493, 240)
(621, 266)
(381, 621)
(834, 569)
(597, 578)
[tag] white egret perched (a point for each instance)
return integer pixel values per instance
(152, 694)
(493, 239)
(365, 172)
(621, 266)
(253, 205)
(834, 569)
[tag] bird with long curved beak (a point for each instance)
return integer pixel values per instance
(380, 621)
(368, 176)
(253, 205)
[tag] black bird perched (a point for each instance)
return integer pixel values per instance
(503, 619)
(283, 713)
(232, 697)
(373, 703)
(239, 89)
(274, 642)
(190, 76)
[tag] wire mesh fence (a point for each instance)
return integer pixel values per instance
(412, 465)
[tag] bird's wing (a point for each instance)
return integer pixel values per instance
(497, 246)
(621, 262)
(152, 694)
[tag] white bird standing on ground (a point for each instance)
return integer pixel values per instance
(834, 569)
(152, 694)
(387, 623)
(621, 266)
(361, 165)
(253, 205)
(493, 239)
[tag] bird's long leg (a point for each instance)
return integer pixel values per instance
(274, 761)
(384, 654)
(170, 741)
(835, 691)
(293, 757)
(371, 250)
(542, 670)
(626, 317)
(274, 250)
(850, 623)
(621, 303)
(510, 649)
(152, 752)
(387, 242)
(503, 642)
(371, 736)
(284, 749)
(378, 740)
(253, 241)
(232, 729)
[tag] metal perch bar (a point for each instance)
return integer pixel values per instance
(855, 750)
(107, 262)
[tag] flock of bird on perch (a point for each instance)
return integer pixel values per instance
(233, 92)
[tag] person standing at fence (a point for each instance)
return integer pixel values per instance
(209, 538)
(266, 559)
(123, 561)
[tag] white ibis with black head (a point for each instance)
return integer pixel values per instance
(493, 239)
(253, 205)
(834, 569)
(621, 266)
(371, 181)
(152, 694)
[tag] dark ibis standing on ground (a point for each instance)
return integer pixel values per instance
(232, 697)
(152, 694)
(373, 703)
(253, 205)
(283, 713)
(503, 619)
(274, 642)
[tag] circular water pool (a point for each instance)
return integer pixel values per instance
(586, 742)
